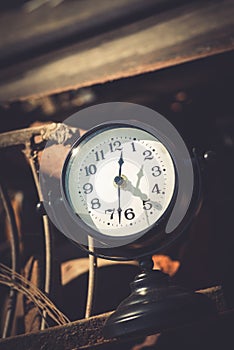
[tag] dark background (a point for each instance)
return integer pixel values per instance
(197, 98)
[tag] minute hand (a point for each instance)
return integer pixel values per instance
(139, 176)
(118, 181)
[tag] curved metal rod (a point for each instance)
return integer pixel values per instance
(92, 279)
(46, 228)
(15, 260)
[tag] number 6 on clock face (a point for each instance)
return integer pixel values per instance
(119, 179)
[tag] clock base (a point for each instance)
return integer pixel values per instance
(156, 304)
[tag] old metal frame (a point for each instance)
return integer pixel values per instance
(25, 138)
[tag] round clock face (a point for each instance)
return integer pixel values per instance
(119, 180)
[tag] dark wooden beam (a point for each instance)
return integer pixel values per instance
(170, 38)
(87, 333)
(40, 26)
(72, 336)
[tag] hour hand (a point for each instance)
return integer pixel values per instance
(134, 190)
(137, 192)
(121, 161)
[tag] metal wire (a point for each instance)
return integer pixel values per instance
(15, 261)
(92, 279)
(17, 282)
(47, 234)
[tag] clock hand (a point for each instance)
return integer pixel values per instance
(139, 176)
(119, 208)
(119, 180)
(134, 190)
(138, 193)
(121, 161)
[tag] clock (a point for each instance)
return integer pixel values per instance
(130, 187)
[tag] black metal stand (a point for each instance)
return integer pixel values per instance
(156, 304)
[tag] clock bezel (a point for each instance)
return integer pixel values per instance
(159, 225)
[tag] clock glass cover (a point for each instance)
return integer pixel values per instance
(119, 180)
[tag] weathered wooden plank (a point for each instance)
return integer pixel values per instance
(87, 333)
(72, 336)
(43, 25)
(187, 33)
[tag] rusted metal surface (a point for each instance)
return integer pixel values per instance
(23, 136)
(179, 35)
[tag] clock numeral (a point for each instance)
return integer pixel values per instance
(88, 188)
(147, 205)
(156, 171)
(90, 169)
(133, 147)
(129, 214)
(115, 146)
(148, 154)
(156, 189)
(99, 155)
(110, 211)
(95, 203)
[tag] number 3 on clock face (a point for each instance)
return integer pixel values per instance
(119, 179)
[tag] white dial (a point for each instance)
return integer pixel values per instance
(119, 180)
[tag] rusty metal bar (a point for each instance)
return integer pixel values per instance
(22, 136)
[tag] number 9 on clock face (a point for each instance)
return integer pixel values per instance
(119, 179)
